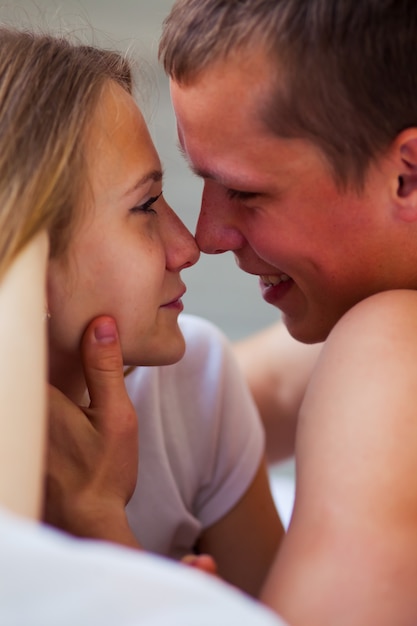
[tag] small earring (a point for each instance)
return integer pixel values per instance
(46, 314)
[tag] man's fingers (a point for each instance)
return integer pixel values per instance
(102, 360)
(203, 562)
(103, 367)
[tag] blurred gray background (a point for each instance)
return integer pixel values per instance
(217, 289)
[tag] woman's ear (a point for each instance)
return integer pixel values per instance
(405, 147)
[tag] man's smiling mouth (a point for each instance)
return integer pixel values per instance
(270, 280)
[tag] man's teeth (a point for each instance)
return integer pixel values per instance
(274, 280)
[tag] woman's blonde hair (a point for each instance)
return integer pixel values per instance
(49, 89)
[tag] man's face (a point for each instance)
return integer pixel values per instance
(274, 202)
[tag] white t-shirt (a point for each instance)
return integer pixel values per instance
(49, 579)
(200, 441)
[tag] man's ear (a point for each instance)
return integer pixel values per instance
(405, 147)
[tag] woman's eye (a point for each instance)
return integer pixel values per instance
(146, 207)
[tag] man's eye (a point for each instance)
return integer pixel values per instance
(235, 194)
(146, 207)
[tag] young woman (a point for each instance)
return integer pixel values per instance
(46, 578)
(117, 249)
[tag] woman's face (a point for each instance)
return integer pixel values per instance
(127, 250)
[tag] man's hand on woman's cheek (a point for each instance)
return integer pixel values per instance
(92, 459)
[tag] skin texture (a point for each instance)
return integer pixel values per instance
(124, 260)
(351, 550)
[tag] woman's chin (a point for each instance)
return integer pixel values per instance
(174, 353)
(163, 352)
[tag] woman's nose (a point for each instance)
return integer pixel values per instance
(181, 248)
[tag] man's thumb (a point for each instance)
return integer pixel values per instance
(103, 363)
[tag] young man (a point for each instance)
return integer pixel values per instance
(301, 118)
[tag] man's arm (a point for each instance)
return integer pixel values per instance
(277, 369)
(92, 460)
(350, 555)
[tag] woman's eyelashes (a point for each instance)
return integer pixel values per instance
(146, 207)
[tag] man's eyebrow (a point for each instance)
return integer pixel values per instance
(185, 156)
(196, 170)
(216, 176)
(154, 175)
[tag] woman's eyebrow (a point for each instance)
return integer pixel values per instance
(154, 175)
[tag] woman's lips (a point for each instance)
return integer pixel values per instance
(175, 303)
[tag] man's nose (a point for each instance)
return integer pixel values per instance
(217, 227)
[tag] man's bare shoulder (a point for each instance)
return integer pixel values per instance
(356, 452)
(394, 312)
